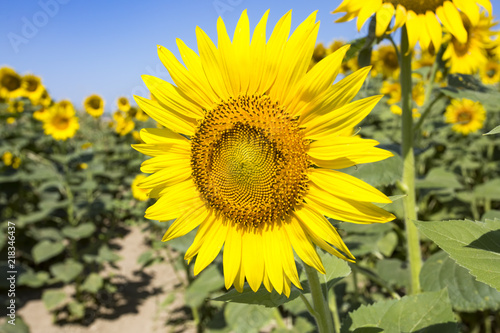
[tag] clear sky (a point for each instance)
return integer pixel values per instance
(80, 47)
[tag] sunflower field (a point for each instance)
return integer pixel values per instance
(290, 185)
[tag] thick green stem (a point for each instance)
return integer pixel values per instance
(408, 181)
(320, 304)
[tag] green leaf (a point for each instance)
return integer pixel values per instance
(394, 271)
(53, 298)
(489, 190)
(92, 283)
(473, 245)
(496, 130)
(19, 327)
(45, 250)
(77, 310)
(439, 178)
(145, 258)
(387, 244)
(105, 254)
(209, 280)
(66, 271)
(246, 318)
(261, 296)
(32, 279)
(426, 312)
(466, 293)
(82, 231)
(336, 269)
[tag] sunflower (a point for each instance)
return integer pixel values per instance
(422, 18)
(61, 121)
(7, 158)
(490, 72)
(319, 53)
(41, 114)
(247, 154)
(466, 116)
(469, 57)
(32, 87)
(138, 192)
(94, 105)
(123, 104)
(396, 109)
(393, 90)
(122, 124)
(15, 106)
(45, 100)
(386, 61)
(418, 93)
(10, 83)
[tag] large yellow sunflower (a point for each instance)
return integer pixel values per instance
(94, 105)
(466, 116)
(423, 18)
(61, 122)
(247, 154)
(10, 83)
(469, 57)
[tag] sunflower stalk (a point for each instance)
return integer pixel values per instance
(321, 312)
(408, 181)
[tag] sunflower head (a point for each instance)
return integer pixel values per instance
(7, 158)
(10, 83)
(386, 61)
(249, 140)
(490, 72)
(423, 18)
(61, 122)
(32, 87)
(466, 116)
(469, 56)
(94, 105)
(123, 104)
(122, 124)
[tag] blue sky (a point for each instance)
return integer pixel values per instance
(80, 47)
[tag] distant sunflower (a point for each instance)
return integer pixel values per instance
(392, 90)
(138, 192)
(396, 109)
(418, 93)
(386, 61)
(41, 114)
(468, 57)
(32, 87)
(10, 83)
(490, 72)
(249, 148)
(122, 124)
(94, 105)
(123, 104)
(466, 116)
(423, 19)
(61, 122)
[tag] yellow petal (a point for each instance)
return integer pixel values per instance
(342, 118)
(228, 63)
(339, 146)
(425, 36)
(336, 96)
(384, 17)
(187, 222)
(209, 56)
(200, 236)
(369, 155)
(241, 43)
(161, 162)
(169, 97)
(302, 245)
(451, 19)
(347, 186)
(344, 209)
(258, 52)
(178, 199)
(317, 225)
(414, 29)
(166, 117)
(486, 4)
(232, 255)
(167, 177)
(433, 29)
(156, 149)
(212, 244)
(288, 261)
(368, 9)
(163, 135)
(252, 258)
(400, 19)
(469, 8)
(272, 258)
(316, 81)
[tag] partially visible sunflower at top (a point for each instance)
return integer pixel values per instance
(94, 105)
(61, 122)
(247, 154)
(10, 83)
(469, 57)
(423, 18)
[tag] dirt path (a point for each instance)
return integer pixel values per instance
(139, 311)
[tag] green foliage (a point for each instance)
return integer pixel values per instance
(473, 245)
(426, 312)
